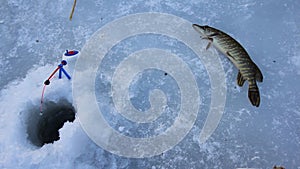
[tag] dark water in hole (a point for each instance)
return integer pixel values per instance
(43, 128)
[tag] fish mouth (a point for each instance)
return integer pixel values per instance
(200, 29)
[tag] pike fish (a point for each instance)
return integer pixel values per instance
(248, 70)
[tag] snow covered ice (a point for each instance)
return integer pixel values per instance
(34, 34)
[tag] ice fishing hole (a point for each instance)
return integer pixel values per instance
(43, 128)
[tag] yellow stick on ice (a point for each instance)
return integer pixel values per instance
(73, 8)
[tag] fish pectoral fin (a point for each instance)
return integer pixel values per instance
(208, 45)
(210, 40)
(240, 80)
(253, 94)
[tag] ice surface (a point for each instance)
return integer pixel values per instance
(34, 34)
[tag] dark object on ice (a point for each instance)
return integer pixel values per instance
(278, 167)
(44, 128)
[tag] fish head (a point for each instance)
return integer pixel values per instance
(204, 31)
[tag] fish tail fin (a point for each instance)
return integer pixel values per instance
(253, 93)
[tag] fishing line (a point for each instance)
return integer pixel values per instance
(47, 82)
